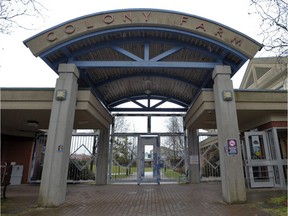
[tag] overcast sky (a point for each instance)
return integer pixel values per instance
(19, 68)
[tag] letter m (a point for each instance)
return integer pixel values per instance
(236, 41)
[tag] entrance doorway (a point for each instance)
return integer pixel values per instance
(149, 161)
(148, 150)
(258, 161)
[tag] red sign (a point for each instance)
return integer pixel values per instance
(231, 148)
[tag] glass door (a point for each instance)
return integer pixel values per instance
(260, 169)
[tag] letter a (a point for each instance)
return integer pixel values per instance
(201, 27)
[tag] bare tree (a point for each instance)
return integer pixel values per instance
(175, 144)
(123, 147)
(12, 13)
(121, 125)
(273, 15)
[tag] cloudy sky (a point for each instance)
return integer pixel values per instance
(19, 68)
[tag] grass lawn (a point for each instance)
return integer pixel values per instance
(170, 173)
(120, 172)
(275, 206)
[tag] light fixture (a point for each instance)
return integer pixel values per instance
(227, 95)
(61, 95)
(148, 92)
(32, 123)
(148, 81)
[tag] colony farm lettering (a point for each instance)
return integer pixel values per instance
(144, 17)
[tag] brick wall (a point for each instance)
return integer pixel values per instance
(273, 124)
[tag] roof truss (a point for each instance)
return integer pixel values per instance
(114, 61)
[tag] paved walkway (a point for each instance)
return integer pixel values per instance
(133, 200)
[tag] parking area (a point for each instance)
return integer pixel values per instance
(137, 200)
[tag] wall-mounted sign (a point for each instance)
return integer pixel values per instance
(60, 148)
(231, 147)
(194, 159)
(132, 18)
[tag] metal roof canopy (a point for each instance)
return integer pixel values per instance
(138, 55)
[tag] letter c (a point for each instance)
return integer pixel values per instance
(51, 36)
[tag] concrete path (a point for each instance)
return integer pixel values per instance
(133, 200)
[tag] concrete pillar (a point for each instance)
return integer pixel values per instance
(232, 175)
(54, 175)
(102, 159)
(193, 149)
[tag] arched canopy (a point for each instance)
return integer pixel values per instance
(134, 54)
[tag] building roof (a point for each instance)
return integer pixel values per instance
(143, 54)
(26, 111)
(253, 107)
(266, 73)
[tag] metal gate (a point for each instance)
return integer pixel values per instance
(123, 157)
(83, 156)
(38, 158)
(147, 158)
(173, 159)
(209, 159)
(145, 161)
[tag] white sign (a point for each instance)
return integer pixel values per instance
(194, 159)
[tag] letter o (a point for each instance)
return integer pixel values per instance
(108, 19)
(51, 36)
(69, 29)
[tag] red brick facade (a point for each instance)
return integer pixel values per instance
(19, 150)
(272, 125)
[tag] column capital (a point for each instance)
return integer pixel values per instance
(221, 69)
(69, 68)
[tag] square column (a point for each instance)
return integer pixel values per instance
(54, 175)
(232, 175)
(102, 158)
(193, 149)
